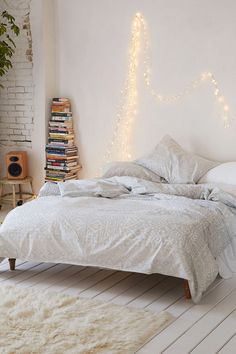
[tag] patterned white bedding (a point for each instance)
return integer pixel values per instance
(145, 227)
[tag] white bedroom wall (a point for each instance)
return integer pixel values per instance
(17, 96)
(42, 15)
(29, 85)
(80, 50)
(187, 37)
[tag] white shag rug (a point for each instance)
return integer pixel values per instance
(33, 321)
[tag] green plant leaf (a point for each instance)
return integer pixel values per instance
(8, 27)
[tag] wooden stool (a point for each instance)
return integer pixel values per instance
(15, 196)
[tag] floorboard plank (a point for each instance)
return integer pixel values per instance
(204, 326)
(72, 281)
(29, 273)
(229, 347)
(214, 341)
(21, 268)
(90, 282)
(167, 299)
(187, 314)
(5, 260)
(59, 278)
(120, 287)
(107, 283)
(154, 293)
(138, 290)
(45, 275)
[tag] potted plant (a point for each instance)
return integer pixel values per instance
(8, 28)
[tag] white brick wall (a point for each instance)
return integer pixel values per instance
(16, 99)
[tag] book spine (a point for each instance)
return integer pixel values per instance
(58, 140)
(60, 119)
(59, 114)
(61, 136)
(60, 99)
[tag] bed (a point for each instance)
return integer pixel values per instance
(129, 222)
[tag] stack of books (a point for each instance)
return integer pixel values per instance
(61, 152)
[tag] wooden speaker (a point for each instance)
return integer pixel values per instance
(16, 163)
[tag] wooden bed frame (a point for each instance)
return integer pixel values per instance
(187, 293)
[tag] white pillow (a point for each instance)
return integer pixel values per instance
(171, 162)
(224, 173)
(131, 169)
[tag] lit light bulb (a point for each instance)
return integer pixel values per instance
(203, 76)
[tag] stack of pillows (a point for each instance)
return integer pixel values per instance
(170, 163)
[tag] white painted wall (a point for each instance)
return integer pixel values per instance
(16, 98)
(37, 84)
(187, 38)
(80, 50)
(45, 83)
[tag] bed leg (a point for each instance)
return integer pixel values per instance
(12, 263)
(187, 292)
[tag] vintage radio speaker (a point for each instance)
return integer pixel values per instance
(16, 162)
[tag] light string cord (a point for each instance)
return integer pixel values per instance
(203, 78)
(127, 108)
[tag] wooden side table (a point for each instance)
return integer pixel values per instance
(16, 196)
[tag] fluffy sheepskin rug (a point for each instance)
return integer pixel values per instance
(48, 323)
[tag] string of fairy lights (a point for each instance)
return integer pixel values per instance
(127, 109)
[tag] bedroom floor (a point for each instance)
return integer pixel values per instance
(209, 327)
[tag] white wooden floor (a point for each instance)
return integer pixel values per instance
(209, 327)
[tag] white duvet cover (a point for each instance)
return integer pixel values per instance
(146, 227)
